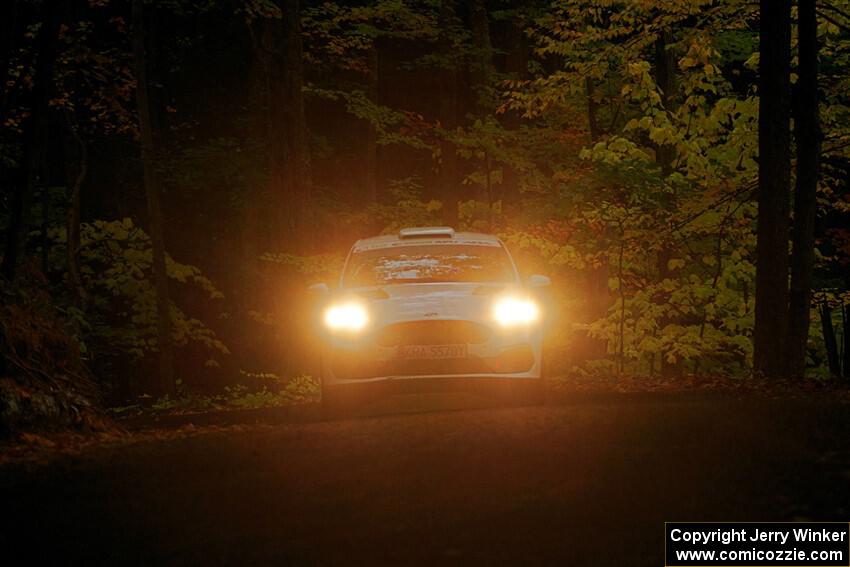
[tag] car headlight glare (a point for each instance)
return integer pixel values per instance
(513, 311)
(346, 317)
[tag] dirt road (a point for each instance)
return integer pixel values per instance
(586, 481)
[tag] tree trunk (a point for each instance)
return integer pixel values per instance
(845, 362)
(808, 138)
(592, 109)
(665, 78)
(160, 276)
(481, 73)
(249, 233)
(771, 317)
(35, 144)
(372, 192)
(598, 294)
(8, 29)
(621, 330)
(488, 187)
(76, 178)
(516, 63)
(45, 226)
(481, 67)
(829, 339)
(448, 116)
(291, 179)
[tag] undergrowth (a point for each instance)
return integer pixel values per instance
(276, 392)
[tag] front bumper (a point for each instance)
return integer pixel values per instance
(514, 354)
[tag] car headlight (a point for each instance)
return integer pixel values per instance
(349, 316)
(513, 311)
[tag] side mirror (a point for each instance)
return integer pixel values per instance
(319, 288)
(539, 281)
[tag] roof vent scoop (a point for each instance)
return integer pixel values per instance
(426, 232)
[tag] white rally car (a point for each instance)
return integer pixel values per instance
(430, 303)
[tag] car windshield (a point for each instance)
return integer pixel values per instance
(429, 263)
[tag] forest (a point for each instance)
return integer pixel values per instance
(174, 174)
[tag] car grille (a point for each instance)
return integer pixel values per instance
(441, 332)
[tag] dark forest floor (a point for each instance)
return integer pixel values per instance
(586, 479)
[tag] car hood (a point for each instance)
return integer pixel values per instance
(433, 301)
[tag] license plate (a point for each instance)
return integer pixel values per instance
(418, 352)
